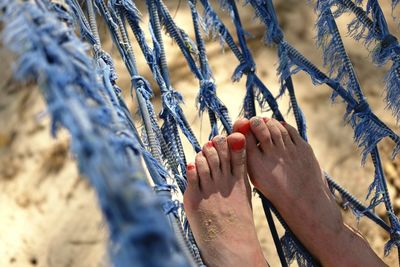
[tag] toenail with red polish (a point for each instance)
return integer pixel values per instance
(190, 166)
(238, 145)
(265, 119)
(210, 144)
(245, 128)
(283, 123)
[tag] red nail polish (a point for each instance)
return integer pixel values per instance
(190, 166)
(283, 123)
(239, 145)
(245, 128)
(210, 144)
(265, 119)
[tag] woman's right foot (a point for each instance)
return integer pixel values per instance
(217, 205)
(283, 167)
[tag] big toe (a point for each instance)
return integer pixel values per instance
(243, 126)
(237, 144)
(261, 132)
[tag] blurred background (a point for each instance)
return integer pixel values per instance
(49, 214)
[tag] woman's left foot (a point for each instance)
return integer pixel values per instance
(217, 204)
(283, 167)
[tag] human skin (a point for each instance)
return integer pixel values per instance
(217, 203)
(283, 167)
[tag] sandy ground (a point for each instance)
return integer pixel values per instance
(49, 215)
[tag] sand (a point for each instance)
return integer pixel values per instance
(49, 214)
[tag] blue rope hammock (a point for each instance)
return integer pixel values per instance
(82, 95)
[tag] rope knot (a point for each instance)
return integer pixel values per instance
(170, 101)
(207, 87)
(278, 37)
(100, 53)
(171, 206)
(385, 48)
(206, 94)
(142, 86)
(247, 67)
(362, 107)
(394, 238)
(395, 234)
(172, 96)
(389, 41)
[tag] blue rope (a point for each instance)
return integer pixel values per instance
(387, 47)
(159, 176)
(127, 54)
(365, 140)
(106, 64)
(207, 95)
(214, 26)
(295, 248)
(249, 68)
(336, 56)
(249, 106)
(275, 35)
(171, 111)
(171, 99)
(108, 145)
(319, 77)
(51, 54)
(141, 86)
(368, 130)
(155, 30)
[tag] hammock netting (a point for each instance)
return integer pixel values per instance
(147, 225)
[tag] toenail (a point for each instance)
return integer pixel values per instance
(190, 166)
(210, 144)
(255, 122)
(220, 140)
(238, 145)
(244, 129)
(283, 123)
(265, 119)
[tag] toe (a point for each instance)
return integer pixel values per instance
(243, 126)
(293, 133)
(237, 144)
(192, 195)
(276, 136)
(192, 177)
(211, 155)
(203, 171)
(251, 145)
(261, 132)
(287, 140)
(221, 146)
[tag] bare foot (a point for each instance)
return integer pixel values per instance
(217, 204)
(283, 167)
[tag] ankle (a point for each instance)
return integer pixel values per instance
(236, 256)
(332, 251)
(256, 258)
(349, 248)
